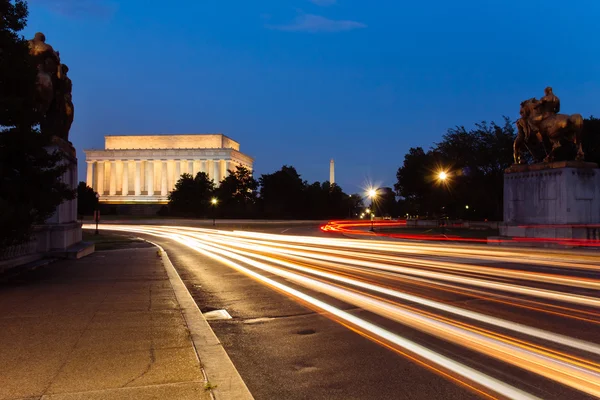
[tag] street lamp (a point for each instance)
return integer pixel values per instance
(372, 193)
(214, 202)
(442, 176)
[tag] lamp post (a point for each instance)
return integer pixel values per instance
(443, 179)
(97, 213)
(214, 202)
(372, 193)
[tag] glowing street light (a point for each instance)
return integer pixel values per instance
(214, 202)
(372, 193)
(442, 176)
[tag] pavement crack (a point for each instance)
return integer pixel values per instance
(151, 350)
(76, 345)
(146, 370)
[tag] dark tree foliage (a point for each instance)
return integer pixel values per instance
(385, 204)
(191, 196)
(354, 203)
(324, 201)
(282, 194)
(475, 159)
(17, 70)
(30, 185)
(591, 139)
(30, 176)
(87, 201)
(414, 181)
(237, 194)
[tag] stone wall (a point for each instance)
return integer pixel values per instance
(558, 193)
(216, 141)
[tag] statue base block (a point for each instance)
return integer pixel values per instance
(61, 235)
(559, 200)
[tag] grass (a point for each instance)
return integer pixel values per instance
(111, 241)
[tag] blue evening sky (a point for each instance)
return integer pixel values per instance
(298, 82)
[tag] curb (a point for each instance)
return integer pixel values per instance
(220, 373)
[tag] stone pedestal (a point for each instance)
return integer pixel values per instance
(61, 234)
(558, 200)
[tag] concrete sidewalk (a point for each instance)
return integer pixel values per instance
(108, 326)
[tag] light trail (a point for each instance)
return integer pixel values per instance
(388, 280)
(350, 227)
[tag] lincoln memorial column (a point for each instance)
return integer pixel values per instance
(163, 179)
(216, 172)
(196, 167)
(210, 169)
(191, 168)
(224, 168)
(112, 185)
(138, 178)
(125, 180)
(100, 178)
(177, 172)
(90, 174)
(150, 177)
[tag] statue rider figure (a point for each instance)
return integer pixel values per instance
(549, 104)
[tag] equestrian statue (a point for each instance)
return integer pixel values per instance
(541, 123)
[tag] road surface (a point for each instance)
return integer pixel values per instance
(317, 317)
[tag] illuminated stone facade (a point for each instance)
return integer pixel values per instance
(144, 169)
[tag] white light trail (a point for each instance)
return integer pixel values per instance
(336, 267)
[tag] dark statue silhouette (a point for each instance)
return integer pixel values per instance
(540, 124)
(53, 98)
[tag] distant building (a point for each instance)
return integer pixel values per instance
(145, 168)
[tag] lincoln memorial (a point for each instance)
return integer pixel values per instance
(145, 168)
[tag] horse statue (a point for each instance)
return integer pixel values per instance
(527, 137)
(535, 125)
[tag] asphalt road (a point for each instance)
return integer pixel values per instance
(316, 317)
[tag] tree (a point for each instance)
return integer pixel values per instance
(87, 202)
(475, 159)
(336, 201)
(414, 180)
(591, 139)
(237, 194)
(192, 196)
(282, 193)
(385, 203)
(17, 69)
(354, 202)
(31, 184)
